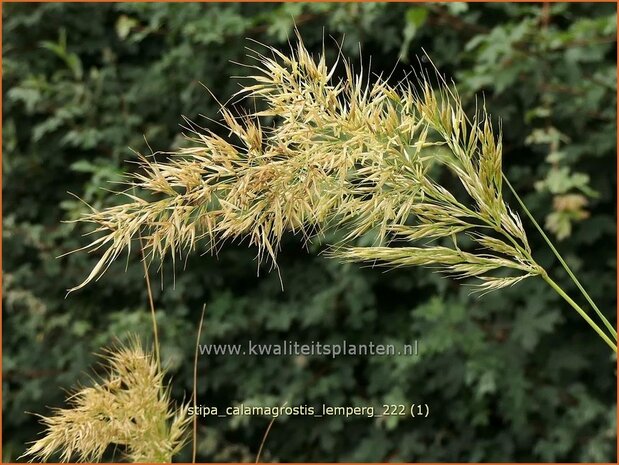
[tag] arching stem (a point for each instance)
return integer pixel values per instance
(609, 326)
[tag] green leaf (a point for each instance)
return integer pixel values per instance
(415, 18)
(124, 26)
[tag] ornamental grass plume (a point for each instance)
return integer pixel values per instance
(130, 408)
(342, 154)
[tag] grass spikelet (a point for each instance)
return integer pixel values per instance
(129, 408)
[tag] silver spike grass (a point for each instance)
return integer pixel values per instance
(130, 408)
(344, 154)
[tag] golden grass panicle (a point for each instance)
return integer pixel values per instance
(130, 408)
(347, 153)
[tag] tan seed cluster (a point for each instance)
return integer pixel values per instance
(130, 408)
(342, 154)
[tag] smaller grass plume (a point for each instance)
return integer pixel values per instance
(130, 408)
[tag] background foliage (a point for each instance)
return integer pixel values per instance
(512, 376)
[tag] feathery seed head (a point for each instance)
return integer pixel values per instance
(130, 408)
(345, 154)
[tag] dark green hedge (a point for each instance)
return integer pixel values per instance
(513, 376)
